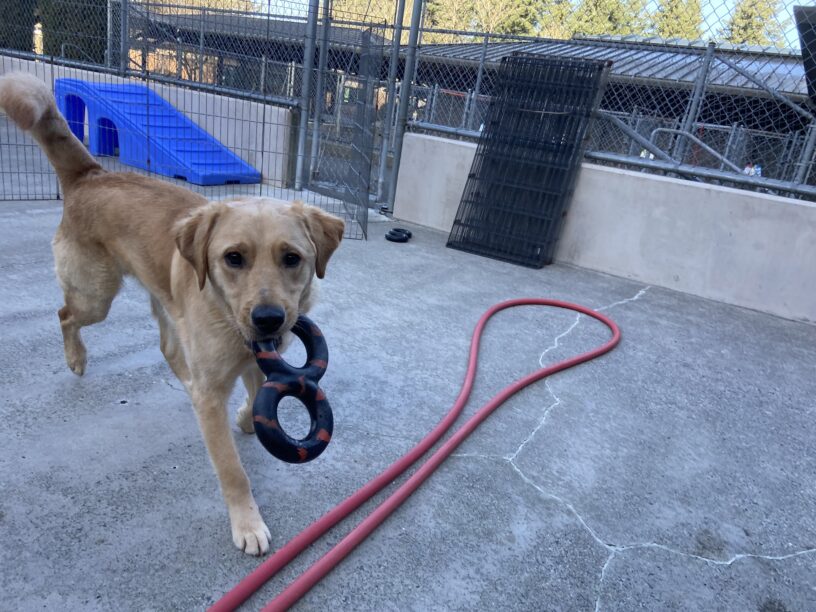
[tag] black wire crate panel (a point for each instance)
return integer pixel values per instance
(528, 158)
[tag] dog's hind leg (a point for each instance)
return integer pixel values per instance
(90, 279)
(253, 379)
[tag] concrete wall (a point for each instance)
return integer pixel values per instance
(433, 173)
(235, 123)
(735, 246)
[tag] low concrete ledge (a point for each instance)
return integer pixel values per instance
(740, 247)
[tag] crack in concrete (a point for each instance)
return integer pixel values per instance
(634, 298)
(611, 556)
(614, 549)
(556, 342)
(172, 386)
(541, 421)
(726, 562)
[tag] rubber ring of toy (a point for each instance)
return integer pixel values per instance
(402, 231)
(285, 380)
(393, 236)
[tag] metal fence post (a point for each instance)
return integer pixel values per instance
(305, 93)
(391, 91)
(290, 79)
(320, 95)
(432, 103)
(339, 87)
(466, 112)
(806, 159)
(681, 144)
(201, 47)
(124, 40)
(634, 121)
(480, 73)
(179, 56)
(110, 41)
(405, 97)
(477, 89)
(730, 143)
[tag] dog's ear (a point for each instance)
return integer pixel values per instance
(326, 232)
(193, 239)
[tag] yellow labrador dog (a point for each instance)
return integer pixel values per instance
(220, 274)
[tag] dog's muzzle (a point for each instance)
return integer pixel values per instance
(267, 320)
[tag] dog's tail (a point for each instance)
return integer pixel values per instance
(31, 106)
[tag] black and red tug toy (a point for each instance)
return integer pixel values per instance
(285, 380)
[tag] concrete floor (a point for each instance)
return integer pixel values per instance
(675, 473)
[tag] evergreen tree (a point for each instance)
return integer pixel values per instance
(447, 15)
(614, 17)
(679, 19)
(501, 16)
(754, 22)
(379, 11)
(493, 16)
(553, 19)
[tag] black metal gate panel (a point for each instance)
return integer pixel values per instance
(345, 114)
(805, 17)
(528, 158)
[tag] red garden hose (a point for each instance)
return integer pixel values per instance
(297, 589)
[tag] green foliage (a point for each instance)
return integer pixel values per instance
(614, 17)
(495, 16)
(378, 11)
(754, 22)
(679, 19)
(448, 15)
(77, 28)
(17, 24)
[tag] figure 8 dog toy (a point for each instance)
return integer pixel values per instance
(282, 380)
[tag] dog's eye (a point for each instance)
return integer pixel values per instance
(291, 260)
(234, 259)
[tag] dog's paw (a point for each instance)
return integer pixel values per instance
(244, 418)
(76, 358)
(251, 534)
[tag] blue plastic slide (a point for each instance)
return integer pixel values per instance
(149, 132)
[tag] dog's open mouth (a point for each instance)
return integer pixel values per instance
(274, 340)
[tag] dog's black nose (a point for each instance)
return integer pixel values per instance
(268, 319)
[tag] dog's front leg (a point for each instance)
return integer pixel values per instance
(249, 532)
(253, 379)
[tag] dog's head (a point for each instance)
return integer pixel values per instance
(259, 256)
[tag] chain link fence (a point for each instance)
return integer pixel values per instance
(288, 90)
(733, 101)
(710, 90)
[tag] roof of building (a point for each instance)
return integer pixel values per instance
(647, 60)
(250, 26)
(637, 59)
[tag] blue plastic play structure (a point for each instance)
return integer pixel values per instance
(149, 132)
